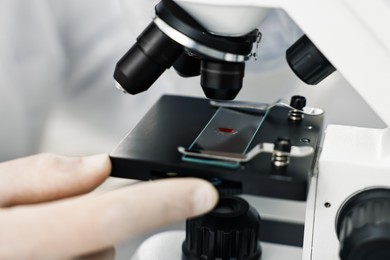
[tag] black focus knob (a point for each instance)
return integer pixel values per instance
(307, 62)
(230, 231)
(363, 226)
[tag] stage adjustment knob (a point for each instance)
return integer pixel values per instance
(363, 226)
(230, 231)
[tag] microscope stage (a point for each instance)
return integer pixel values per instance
(150, 150)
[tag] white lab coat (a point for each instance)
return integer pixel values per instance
(56, 63)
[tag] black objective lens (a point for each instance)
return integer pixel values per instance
(141, 66)
(221, 80)
(187, 66)
(363, 226)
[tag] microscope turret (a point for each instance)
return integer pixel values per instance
(175, 38)
(209, 46)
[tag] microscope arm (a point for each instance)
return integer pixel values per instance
(352, 34)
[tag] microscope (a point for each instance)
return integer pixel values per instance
(281, 150)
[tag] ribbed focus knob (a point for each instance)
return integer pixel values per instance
(307, 62)
(230, 231)
(363, 226)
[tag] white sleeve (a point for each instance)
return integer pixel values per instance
(93, 115)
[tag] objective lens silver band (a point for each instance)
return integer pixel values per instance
(195, 46)
(120, 88)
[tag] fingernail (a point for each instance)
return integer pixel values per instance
(205, 198)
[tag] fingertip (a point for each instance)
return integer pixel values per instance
(193, 196)
(99, 163)
(205, 197)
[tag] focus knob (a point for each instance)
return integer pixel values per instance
(230, 231)
(363, 226)
(308, 63)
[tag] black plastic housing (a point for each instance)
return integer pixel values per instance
(307, 62)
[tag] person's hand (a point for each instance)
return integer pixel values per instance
(41, 216)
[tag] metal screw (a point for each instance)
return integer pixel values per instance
(281, 154)
(327, 205)
(297, 102)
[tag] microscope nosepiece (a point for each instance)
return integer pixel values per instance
(176, 39)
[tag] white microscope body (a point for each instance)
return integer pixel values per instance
(353, 35)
